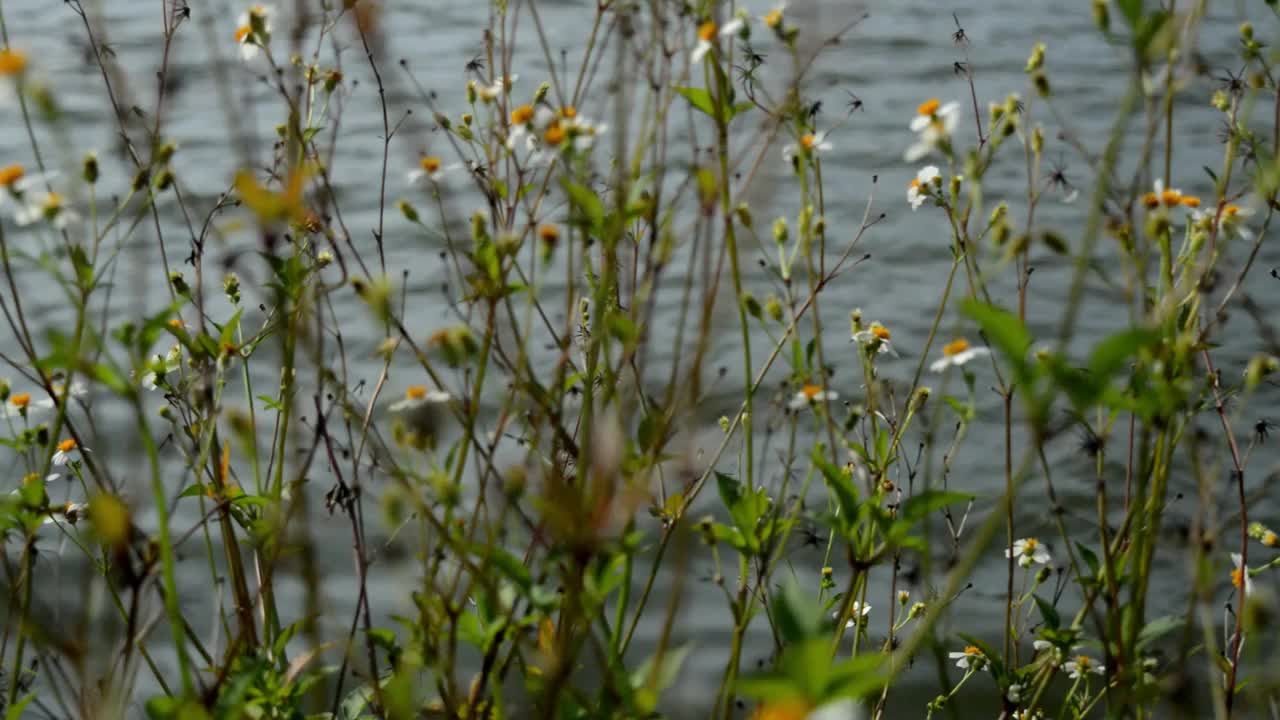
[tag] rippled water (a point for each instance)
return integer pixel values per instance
(901, 54)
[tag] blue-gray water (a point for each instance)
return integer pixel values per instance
(899, 56)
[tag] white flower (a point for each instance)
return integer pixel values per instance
(875, 337)
(971, 656)
(1027, 714)
(1014, 693)
(417, 396)
(1081, 666)
(77, 390)
(71, 512)
(811, 143)
(253, 30)
(68, 451)
(933, 124)
(707, 33)
(1028, 551)
(1240, 574)
(811, 395)
(1230, 219)
(45, 205)
(922, 186)
(846, 709)
(957, 353)
(489, 93)
(432, 168)
(159, 367)
(858, 610)
(584, 133)
(1041, 645)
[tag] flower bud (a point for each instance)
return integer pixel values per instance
(1246, 31)
(1102, 15)
(331, 80)
(471, 93)
(743, 212)
(1037, 140)
(751, 305)
(919, 398)
(179, 283)
(410, 213)
(1041, 81)
(1043, 575)
(1036, 61)
(780, 233)
(904, 596)
(773, 306)
(541, 93)
(1221, 101)
(90, 172)
(231, 286)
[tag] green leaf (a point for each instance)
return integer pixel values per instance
(921, 504)
(587, 202)
(799, 617)
(15, 710)
(511, 566)
(1048, 612)
(1131, 9)
(1089, 557)
(1157, 629)
(700, 99)
(1111, 355)
(658, 672)
(730, 490)
(1003, 330)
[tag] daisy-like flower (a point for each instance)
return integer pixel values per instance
(1081, 666)
(875, 338)
(811, 395)
(68, 451)
(1028, 551)
(859, 610)
(1240, 574)
(970, 657)
(1028, 714)
(957, 353)
(1270, 539)
(19, 405)
(253, 30)
(933, 125)
(77, 389)
(1231, 219)
(160, 366)
(922, 186)
(71, 512)
(417, 396)
(13, 67)
(1163, 198)
(45, 205)
(431, 168)
(810, 144)
(500, 86)
(707, 34)
(584, 133)
(773, 18)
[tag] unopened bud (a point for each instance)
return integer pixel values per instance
(90, 172)
(1036, 61)
(541, 93)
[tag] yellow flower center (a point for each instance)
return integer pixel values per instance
(1083, 661)
(11, 174)
(1270, 539)
(1151, 200)
(807, 141)
(67, 445)
(1191, 201)
(928, 107)
(955, 347)
(782, 710)
(1029, 546)
(810, 391)
(880, 331)
(773, 19)
(554, 134)
(1231, 211)
(569, 111)
(1237, 578)
(177, 323)
(915, 183)
(21, 400)
(973, 651)
(1170, 198)
(430, 163)
(415, 392)
(707, 31)
(12, 62)
(243, 32)
(52, 202)
(549, 233)
(522, 115)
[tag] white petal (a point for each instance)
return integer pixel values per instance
(699, 51)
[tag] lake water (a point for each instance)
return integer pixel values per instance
(899, 56)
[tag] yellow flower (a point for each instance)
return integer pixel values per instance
(522, 115)
(12, 62)
(274, 206)
(879, 331)
(549, 234)
(955, 347)
(928, 107)
(554, 134)
(11, 174)
(707, 31)
(21, 400)
(1270, 539)
(1190, 201)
